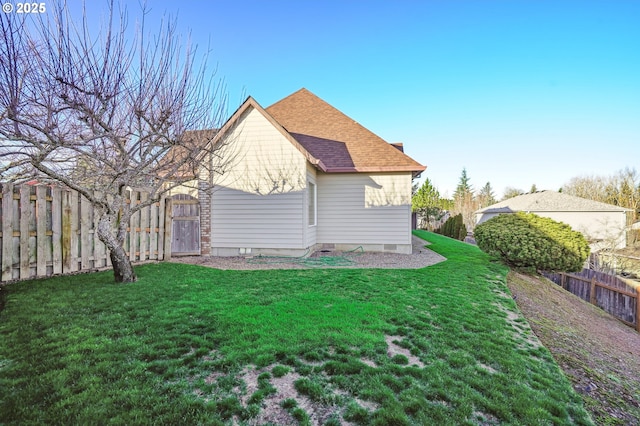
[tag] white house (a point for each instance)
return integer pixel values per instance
(604, 225)
(306, 176)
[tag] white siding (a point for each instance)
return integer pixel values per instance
(240, 219)
(483, 217)
(260, 201)
(311, 231)
(608, 227)
(360, 208)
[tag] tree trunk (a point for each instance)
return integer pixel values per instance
(113, 238)
(122, 267)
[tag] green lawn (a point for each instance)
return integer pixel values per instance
(192, 345)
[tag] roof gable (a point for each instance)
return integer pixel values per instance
(339, 142)
(549, 201)
(250, 103)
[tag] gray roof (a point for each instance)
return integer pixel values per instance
(550, 201)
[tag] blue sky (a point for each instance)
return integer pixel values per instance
(517, 92)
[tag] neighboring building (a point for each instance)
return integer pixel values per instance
(306, 176)
(604, 225)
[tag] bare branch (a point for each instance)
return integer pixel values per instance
(100, 110)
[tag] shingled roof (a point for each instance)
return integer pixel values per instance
(544, 201)
(339, 143)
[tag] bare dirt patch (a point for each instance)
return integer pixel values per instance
(599, 354)
(488, 368)
(272, 411)
(370, 363)
(395, 349)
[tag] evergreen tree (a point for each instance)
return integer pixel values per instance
(464, 187)
(486, 196)
(465, 202)
(454, 228)
(427, 203)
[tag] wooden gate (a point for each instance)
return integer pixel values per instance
(186, 225)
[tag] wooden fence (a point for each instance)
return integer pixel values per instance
(612, 294)
(50, 231)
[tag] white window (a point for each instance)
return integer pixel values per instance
(312, 203)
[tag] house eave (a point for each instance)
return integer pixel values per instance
(373, 169)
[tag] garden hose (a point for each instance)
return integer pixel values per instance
(312, 262)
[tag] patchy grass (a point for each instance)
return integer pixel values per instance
(192, 345)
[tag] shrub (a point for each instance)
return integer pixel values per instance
(525, 240)
(454, 228)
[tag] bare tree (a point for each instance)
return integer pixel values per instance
(620, 189)
(511, 192)
(624, 190)
(607, 247)
(589, 187)
(101, 112)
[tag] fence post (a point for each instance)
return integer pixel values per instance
(563, 280)
(145, 229)
(86, 246)
(592, 293)
(134, 223)
(75, 217)
(25, 222)
(638, 309)
(161, 230)
(153, 230)
(66, 231)
(56, 229)
(168, 225)
(7, 232)
(41, 231)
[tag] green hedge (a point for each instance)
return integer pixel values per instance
(525, 240)
(454, 228)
